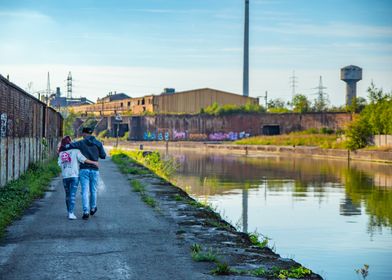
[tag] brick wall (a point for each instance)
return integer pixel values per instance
(29, 131)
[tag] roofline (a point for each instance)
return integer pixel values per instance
(199, 89)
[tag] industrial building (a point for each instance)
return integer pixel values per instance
(185, 102)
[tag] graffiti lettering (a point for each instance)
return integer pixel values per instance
(3, 125)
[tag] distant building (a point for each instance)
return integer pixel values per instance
(186, 102)
(57, 101)
(113, 97)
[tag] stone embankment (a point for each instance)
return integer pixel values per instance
(260, 150)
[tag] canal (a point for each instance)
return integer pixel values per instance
(331, 216)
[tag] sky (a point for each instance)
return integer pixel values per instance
(142, 46)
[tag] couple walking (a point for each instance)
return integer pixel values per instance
(79, 162)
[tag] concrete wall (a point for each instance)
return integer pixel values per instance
(231, 127)
(29, 131)
(382, 140)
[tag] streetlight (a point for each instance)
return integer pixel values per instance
(265, 99)
(118, 120)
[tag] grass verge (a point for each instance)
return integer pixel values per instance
(17, 195)
(325, 141)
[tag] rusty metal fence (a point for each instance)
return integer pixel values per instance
(29, 131)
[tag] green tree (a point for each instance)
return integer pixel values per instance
(300, 103)
(277, 105)
(69, 119)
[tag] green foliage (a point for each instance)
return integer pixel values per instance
(300, 104)
(18, 195)
(201, 256)
(277, 106)
(69, 119)
(137, 186)
(358, 134)
(294, 272)
(375, 118)
(196, 248)
(222, 269)
(164, 168)
(254, 238)
(148, 200)
(357, 105)
(325, 141)
(228, 109)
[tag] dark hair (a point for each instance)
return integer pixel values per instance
(65, 141)
(87, 130)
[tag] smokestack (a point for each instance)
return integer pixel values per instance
(246, 51)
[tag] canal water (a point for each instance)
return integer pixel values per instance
(331, 216)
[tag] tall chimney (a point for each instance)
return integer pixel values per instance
(246, 51)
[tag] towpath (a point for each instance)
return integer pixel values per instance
(126, 239)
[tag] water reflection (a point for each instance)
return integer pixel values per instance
(323, 205)
(366, 183)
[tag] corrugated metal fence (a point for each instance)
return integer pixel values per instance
(29, 131)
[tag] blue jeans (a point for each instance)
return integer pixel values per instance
(70, 187)
(89, 181)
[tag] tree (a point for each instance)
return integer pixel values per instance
(69, 119)
(300, 103)
(321, 103)
(357, 105)
(277, 105)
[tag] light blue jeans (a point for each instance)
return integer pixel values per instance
(89, 181)
(70, 187)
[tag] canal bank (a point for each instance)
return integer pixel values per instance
(262, 150)
(127, 239)
(209, 236)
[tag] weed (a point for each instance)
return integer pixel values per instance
(200, 256)
(178, 197)
(254, 239)
(149, 200)
(195, 248)
(137, 186)
(17, 195)
(258, 272)
(222, 269)
(363, 271)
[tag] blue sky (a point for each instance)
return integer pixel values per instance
(142, 46)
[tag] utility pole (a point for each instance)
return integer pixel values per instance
(48, 90)
(246, 51)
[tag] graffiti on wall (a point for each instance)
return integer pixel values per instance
(3, 125)
(231, 136)
(184, 135)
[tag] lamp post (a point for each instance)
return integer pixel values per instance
(118, 120)
(265, 99)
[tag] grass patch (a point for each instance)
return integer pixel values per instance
(152, 160)
(137, 186)
(204, 256)
(178, 197)
(325, 141)
(149, 200)
(198, 255)
(17, 195)
(223, 269)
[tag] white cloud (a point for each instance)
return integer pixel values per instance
(24, 14)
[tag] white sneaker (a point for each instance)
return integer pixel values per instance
(72, 216)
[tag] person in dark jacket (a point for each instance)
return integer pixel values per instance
(92, 149)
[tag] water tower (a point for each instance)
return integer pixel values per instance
(351, 75)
